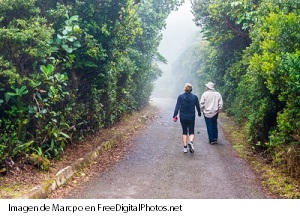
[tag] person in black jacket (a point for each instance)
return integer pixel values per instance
(185, 106)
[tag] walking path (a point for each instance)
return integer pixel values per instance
(157, 168)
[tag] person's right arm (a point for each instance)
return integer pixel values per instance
(177, 107)
(202, 102)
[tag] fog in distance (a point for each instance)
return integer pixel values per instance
(180, 32)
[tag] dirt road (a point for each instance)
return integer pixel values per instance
(156, 167)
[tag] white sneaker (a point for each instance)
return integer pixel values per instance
(214, 142)
(191, 147)
(185, 150)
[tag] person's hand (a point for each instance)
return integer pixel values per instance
(175, 118)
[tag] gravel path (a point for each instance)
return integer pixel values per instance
(157, 167)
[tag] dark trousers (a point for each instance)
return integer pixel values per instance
(212, 128)
(188, 127)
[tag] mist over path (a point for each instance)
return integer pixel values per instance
(179, 34)
(156, 167)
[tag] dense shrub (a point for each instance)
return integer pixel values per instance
(69, 68)
(254, 59)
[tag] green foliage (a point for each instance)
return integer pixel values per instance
(278, 65)
(223, 21)
(253, 56)
(68, 41)
(70, 68)
(23, 44)
(47, 111)
(40, 160)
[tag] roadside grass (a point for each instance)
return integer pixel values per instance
(274, 179)
(12, 191)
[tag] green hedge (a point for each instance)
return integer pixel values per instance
(70, 68)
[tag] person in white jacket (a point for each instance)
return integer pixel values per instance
(211, 105)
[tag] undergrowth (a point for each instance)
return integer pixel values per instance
(274, 179)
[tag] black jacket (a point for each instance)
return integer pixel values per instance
(186, 104)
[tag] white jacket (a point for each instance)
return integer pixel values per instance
(211, 103)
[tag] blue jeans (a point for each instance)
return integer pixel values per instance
(212, 128)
